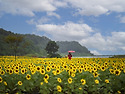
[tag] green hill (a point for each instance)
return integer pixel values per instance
(65, 46)
(36, 45)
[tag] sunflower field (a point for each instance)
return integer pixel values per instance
(29, 75)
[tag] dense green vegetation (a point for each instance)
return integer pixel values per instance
(80, 50)
(33, 45)
(52, 49)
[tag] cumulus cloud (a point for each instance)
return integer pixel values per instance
(97, 7)
(113, 43)
(68, 31)
(29, 7)
(83, 7)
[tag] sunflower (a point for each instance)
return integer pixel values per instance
(111, 71)
(42, 71)
(69, 80)
(117, 72)
(74, 70)
(16, 67)
(59, 89)
(16, 71)
(11, 71)
(83, 81)
(80, 70)
(97, 81)
(1, 79)
(7, 71)
(33, 71)
(22, 71)
(46, 76)
(38, 68)
(95, 74)
(2, 72)
(20, 83)
(94, 69)
(53, 66)
(54, 72)
(0, 67)
(57, 71)
(73, 75)
(82, 66)
(5, 83)
(59, 80)
(80, 88)
(41, 83)
(103, 68)
(119, 92)
(65, 66)
(48, 69)
(106, 81)
(28, 76)
(45, 80)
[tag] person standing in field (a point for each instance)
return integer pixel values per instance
(69, 56)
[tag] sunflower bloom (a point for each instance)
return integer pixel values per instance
(46, 76)
(59, 80)
(48, 69)
(117, 72)
(83, 81)
(45, 80)
(42, 71)
(28, 76)
(22, 71)
(70, 80)
(5, 83)
(20, 83)
(119, 92)
(1, 79)
(59, 89)
(97, 81)
(106, 81)
(41, 83)
(80, 88)
(95, 74)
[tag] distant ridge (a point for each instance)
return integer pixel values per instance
(37, 45)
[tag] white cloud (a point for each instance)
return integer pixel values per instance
(95, 52)
(83, 7)
(97, 7)
(34, 21)
(29, 7)
(53, 14)
(68, 31)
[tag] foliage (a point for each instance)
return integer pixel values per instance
(118, 56)
(65, 46)
(51, 49)
(60, 75)
(37, 44)
(14, 41)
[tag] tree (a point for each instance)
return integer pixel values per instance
(52, 48)
(14, 41)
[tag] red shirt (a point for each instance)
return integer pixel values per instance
(69, 56)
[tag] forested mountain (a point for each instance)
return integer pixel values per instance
(65, 46)
(33, 45)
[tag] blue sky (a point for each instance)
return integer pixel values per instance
(98, 25)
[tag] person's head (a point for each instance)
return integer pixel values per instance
(69, 53)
